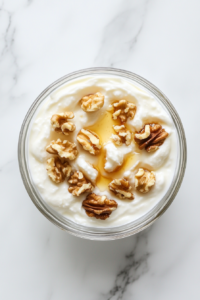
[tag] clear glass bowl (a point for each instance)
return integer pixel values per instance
(92, 232)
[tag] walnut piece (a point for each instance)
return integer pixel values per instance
(64, 149)
(144, 180)
(123, 136)
(92, 102)
(58, 169)
(121, 188)
(145, 134)
(123, 110)
(89, 140)
(79, 184)
(99, 207)
(60, 122)
(151, 137)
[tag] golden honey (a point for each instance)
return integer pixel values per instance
(104, 129)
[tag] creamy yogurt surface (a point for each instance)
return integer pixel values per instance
(149, 110)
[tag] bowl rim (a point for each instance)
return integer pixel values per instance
(49, 213)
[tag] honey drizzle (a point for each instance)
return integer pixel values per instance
(104, 129)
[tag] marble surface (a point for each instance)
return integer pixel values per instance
(44, 40)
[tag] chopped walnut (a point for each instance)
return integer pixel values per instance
(89, 140)
(58, 169)
(124, 110)
(99, 207)
(92, 102)
(79, 184)
(143, 135)
(121, 188)
(151, 137)
(123, 136)
(60, 123)
(63, 149)
(144, 180)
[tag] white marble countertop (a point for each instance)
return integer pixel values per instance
(44, 40)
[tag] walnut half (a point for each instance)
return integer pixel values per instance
(92, 102)
(79, 184)
(151, 137)
(123, 136)
(123, 110)
(144, 180)
(99, 207)
(64, 149)
(58, 169)
(60, 122)
(121, 188)
(89, 140)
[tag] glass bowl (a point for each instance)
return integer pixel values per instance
(93, 233)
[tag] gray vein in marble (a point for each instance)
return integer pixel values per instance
(121, 34)
(7, 45)
(10, 70)
(7, 164)
(6, 31)
(136, 265)
(9, 39)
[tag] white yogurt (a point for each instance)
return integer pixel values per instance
(115, 155)
(88, 170)
(66, 98)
